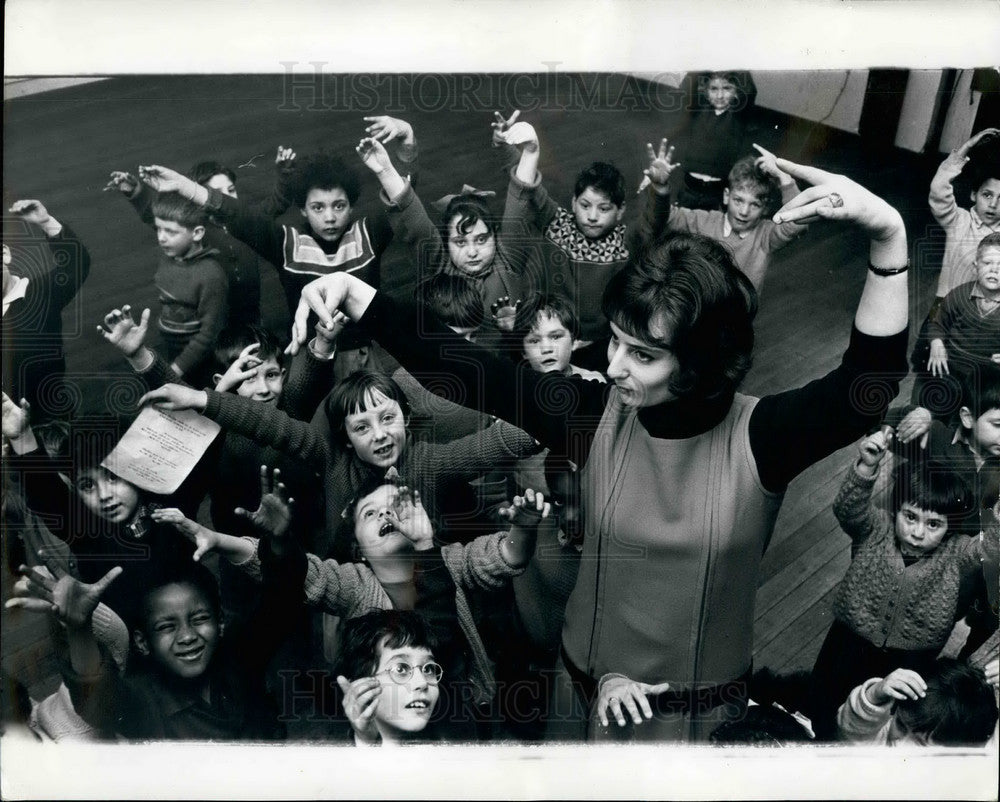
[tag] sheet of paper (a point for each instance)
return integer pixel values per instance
(161, 448)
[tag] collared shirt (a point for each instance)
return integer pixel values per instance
(17, 291)
(727, 229)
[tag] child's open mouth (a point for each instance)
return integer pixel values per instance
(418, 704)
(385, 529)
(383, 451)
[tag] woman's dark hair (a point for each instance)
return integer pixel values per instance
(933, 486)
(354, 393)
(203, 172)
(687, 295)
(325, 172)
(603, 177)
(362, 640)
(958, 709)
(456, 300)
(469, 209)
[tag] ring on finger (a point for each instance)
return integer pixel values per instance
(836, 201)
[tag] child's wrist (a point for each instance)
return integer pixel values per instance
(51, 227)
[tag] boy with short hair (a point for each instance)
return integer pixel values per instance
(951, 705)
(593, 241)
(325, 189)
(545, 328)
(964, 331)
(388, 675)
(237, 259)
(755, 188)
(38, 284)
(193, 287)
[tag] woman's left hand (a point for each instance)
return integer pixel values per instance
(618, 693)
(837, 197)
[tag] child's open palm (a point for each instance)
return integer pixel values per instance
(273, 515)
(661, 165)
(73, 602)
(374, 155)
(121, 330)
(30, 210)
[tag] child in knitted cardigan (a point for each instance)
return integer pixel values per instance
(896, 605)
(399, 567)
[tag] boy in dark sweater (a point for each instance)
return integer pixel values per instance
(241, 264)
(192, 285)
(325, 189)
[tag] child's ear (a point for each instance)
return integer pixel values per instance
(966, 417)
(197, 233)
(284, 372)
(725, 196)
(621, 211)
(139, 637)
(363, 356)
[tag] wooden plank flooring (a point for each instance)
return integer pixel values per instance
(60, 147)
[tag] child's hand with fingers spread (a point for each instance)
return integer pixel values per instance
(204, 539)
(122, 181)
(526, 511)
(374, 155)
(900, 684)
(504, 312)
(273, 516)
(360, 702)
(385, 129)
(73, 602)
(619, 694)
(16, 418)
(121, 330)
(661, 165)
(500, 125)
(244, 367)
(409, 517)
(284, 158)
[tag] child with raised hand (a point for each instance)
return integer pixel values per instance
(389, 678)
(950, 704)
(368, 416)
(964, 330)
(105, 520)
(401, 568)
(964, 228)
(325, 189)
(754, 189)
(185, 680)
(593, 241)
(241, 264)
(39, 282)
(899, 599)
(466, 242)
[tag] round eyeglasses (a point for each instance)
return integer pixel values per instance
(401, 672)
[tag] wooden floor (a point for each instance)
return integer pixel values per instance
(60, 146)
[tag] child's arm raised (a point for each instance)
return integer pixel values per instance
(524, 514)
(139, 197)
(656, 209)
(852, 507)
(284, 171)
(528, 203)
(17, 426)
(70, 256)
(942, 194)
(235, 549)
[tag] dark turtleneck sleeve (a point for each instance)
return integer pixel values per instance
(792, 430)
